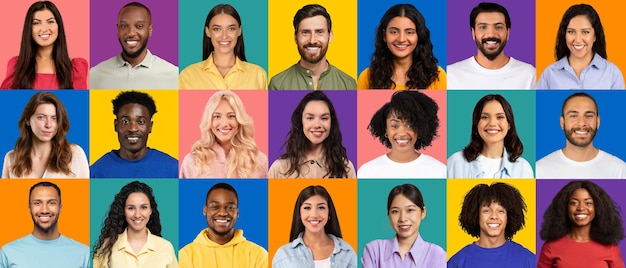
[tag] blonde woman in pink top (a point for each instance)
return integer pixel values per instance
(226, 148)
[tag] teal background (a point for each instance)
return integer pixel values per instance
(373, 222)
(192, 15)
(165, 192)
(461, 105)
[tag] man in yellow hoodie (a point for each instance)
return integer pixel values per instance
(220, 245)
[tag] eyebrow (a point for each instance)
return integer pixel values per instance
(306, 203)
(218, 25)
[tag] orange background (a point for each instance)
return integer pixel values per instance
(75, 16)
(282, 195)
(73, 219)
(549, 14)
(255, 102)
(369, 101)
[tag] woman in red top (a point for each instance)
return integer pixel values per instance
(43, 62)
(581, 227)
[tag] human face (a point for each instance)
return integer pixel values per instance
(490, 34)
(580, 121)
(224, 123)
(493, 125)
(581, 208)
(405, 217)
(401, 37)
(312, 39)
(45, 29)
(314, 214)
(316, 121)
(137, 211)
(492, 221)
(401, 134)
(45, 209)
(133, 126)
(580, 37)
(43, 123)
(223, 30)
(221, 213)
(134, 27)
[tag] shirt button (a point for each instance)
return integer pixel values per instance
(310, 83)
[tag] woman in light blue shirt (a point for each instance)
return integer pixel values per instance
(315, 235)
(581, 54)
(495, 149)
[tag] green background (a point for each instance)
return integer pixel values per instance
(461, 105)
(192, 15)
(373, 222)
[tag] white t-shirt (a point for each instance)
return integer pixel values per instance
(603, 166)
(424, 166)
(490, 166)
(325, 263)
(468, 74)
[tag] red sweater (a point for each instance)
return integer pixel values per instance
(565, 252)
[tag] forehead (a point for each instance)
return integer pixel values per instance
(316, 199)
(44, 193)
(580, 192)
(580, 21)
(316, 106)
(223, 106)
(493, 105)
(133, 12)
(222, 196)
(401, 22)
(137, 197)
(43, 14)
(579, 103)
(133, 109)
(491, 17)
(46, 108)
(315, 22)
(223, 19)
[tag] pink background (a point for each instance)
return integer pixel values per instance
(192, 104)
(369, 101)
(75, 16)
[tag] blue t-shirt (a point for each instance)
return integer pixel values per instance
(30, 251)
(509, 255)
(155, 164)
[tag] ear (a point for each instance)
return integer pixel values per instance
(150, 127)
(150, 30)
(473, 34)
(598, 122)
(206, 31)
(295, 38)
(424, 213)
(562, 121)
(115, 124)
(330, 37)
(204, 211)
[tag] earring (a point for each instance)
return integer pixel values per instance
(386, 136)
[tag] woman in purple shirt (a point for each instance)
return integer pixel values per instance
(406, 210)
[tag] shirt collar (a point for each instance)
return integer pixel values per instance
(339, 244)
(506, 165)
(211, 67)
(146, 62)
(123, 238)
(597, 62)
(306, 72)
(414, 251)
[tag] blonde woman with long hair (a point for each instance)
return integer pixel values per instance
(226, 148)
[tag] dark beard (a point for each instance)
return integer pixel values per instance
(487, 54)
(137, 53)
(568, 135)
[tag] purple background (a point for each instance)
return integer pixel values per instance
(103, 29)
(521, 44)
(547, 189)
(281, 106)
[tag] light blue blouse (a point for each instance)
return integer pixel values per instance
(458, 167)
(297, 255)
(600, 74)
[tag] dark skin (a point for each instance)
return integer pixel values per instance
(133, 125)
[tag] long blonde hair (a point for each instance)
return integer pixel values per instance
(242, 159)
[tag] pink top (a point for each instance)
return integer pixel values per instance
(219, 167)
(49, 81)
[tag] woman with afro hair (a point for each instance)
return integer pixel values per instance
(581, 227)
(131, 235)
(406, 124)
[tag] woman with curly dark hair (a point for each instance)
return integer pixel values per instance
(406, 124)
(581, 227)
(495, 149)
(133, 224)
(403, 57)
(314, 146)
(42, 149)
(493, 214)
(44, 61)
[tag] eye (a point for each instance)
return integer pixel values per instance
(325, 118)
(232, 29)
(409, 126)
(482, 27)
(232, 116)
(393, 31)
(484, 117)
(589, 203)
(571, 31)
(500, 117)
(411, 210)
(411, 32)
(573, 203)
(216, 116)
(394, 211)
(306, 207)
(140, 26)
(36, 22)
(123, 26)
(231, 207)
(216, 29)
(125, 121)
(321, 207)
(500, 27)
(586, 32)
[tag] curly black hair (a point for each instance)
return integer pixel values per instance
(419, 110)
(115, 223)
(483, 195)
(423, 71)
(133, 96)
(296, 142)
(606, 227)
(512, 142)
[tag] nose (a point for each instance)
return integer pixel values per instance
(44, 207)
(133, 126)
(578, 37)
(47, 123)
(402, 36)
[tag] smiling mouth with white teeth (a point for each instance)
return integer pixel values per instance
(492, 131)
(578, 47)
(493, 225)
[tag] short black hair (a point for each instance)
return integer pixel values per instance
(44, 184)
(309, 11)
(486, 7)
(133, 96)
(579, 94)
(221, 185)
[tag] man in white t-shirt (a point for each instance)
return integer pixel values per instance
(490, 68)
(580, 159)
